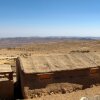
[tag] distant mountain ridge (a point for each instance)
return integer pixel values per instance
(17, 41)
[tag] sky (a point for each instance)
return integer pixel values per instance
(25, 18)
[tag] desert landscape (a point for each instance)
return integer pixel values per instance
(52, 68)
(49, 49)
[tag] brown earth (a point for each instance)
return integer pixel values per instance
(58, 47)
(52, 47)
(76, 95)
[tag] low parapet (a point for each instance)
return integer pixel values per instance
(6, 82)
(6, 72)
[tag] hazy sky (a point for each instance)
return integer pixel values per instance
(49, 18)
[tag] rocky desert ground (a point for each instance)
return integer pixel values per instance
(11, 48)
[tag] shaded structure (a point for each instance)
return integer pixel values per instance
(6, 82)
(46, 74)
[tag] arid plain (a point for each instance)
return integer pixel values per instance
(11, 48)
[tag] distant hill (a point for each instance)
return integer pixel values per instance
(13, 42)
